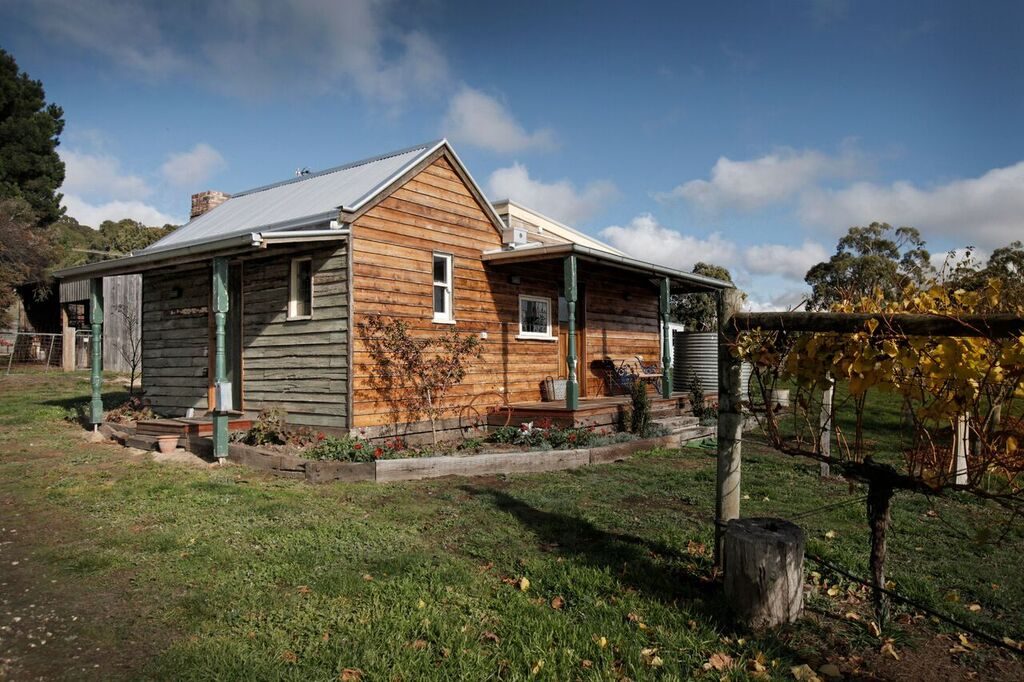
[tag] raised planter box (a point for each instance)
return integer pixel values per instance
(418, 468)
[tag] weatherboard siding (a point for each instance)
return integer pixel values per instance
(175, 339)
(300, 366)
(393, 247)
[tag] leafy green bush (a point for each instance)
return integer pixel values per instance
(640, 416)
(355, 449)
(698, 402)
(271, 428)
(544, 434)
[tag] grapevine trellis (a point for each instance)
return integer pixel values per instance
(956, 360)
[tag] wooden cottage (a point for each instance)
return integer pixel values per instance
(279, 277)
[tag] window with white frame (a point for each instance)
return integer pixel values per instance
(300, 289)
(443, 288)
(534, 317)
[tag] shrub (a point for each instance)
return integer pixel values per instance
(698, 402)
(131, 410)
(640, 416)
(546, 435)
(271, 428)
(355, 449)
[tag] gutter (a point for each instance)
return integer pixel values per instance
(538, 252)
(195, 252)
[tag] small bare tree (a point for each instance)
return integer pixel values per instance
(129, 347)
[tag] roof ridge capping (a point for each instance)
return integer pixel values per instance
(348, 166)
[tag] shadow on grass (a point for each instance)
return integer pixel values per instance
(655, 570)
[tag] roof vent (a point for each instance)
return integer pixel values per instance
(513, 236)
(203, 202)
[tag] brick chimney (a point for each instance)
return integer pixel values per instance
(207, 201)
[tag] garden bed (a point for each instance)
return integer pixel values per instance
(416, 468)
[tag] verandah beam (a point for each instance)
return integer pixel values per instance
(572, 388)
(666, 339)
(220, 392)
(96, 373)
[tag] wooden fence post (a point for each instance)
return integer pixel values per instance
(730, 419)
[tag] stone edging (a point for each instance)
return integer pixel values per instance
(417, 468)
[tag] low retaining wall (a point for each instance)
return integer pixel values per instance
(418, 468)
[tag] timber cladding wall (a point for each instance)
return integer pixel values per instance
(175, 331)
(621, 318)
(433, 212)
(298, 365)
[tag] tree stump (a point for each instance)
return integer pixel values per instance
(764, 571)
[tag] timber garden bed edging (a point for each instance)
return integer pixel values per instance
(418, 468)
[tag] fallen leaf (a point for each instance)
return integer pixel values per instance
(696, 548)
(351, 675)
(587, 664)
(874, 629)
(557, 603)
(632, 617)
(421, 604)
(1011, 643)
(289, 657)
(601, 641)
(830, 670)
(964, 641)
(952, 597)
(888, 648)
(367, 577)
(486, 567)
(804, 673)
(830, 534)
(850, 615)
(833, 591)
(489, 636)
(524, 584)
(974, 607)
(537, 667)
(303, 589)
(719, 661)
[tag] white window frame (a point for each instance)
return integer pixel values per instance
(448, 316)
(293, 288)
(534, 336)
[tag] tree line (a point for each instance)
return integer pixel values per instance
(36, 235)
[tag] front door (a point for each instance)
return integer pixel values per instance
(579, 336)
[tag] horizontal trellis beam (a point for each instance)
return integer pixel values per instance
(907, 324)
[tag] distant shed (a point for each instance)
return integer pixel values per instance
(118, 291)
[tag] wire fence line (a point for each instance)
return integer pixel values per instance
(34, 351)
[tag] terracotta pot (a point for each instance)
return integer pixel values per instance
(167, 444)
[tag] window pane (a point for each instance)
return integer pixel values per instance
(303, 288)
(534, 316)
(440, 300)
(441, 269)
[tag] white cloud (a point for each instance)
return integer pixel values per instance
(790, 262)
(92, 214)
(645, 238)
(481, 120)
(775, 177)
(194, 167)
(100, 175)
(789, 299)
(255, 47)
(987, 211)
(561, 200)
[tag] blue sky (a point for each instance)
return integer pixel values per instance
(746, 133)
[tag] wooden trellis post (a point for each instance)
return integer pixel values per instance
(730, 419)
(825, 426)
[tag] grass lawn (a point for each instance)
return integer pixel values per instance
(115, 566)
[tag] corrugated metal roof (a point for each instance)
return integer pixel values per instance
(302, 201)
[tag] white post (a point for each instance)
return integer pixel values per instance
(825, 426)
(961, 446)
